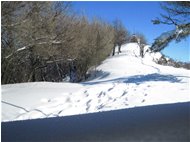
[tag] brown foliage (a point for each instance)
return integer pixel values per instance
(41, 39)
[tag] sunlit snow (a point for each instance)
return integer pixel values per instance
(123, 81)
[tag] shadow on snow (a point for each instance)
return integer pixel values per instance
(97, 74)
(169, 123)
(139, 79)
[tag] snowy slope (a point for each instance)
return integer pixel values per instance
(124, 81)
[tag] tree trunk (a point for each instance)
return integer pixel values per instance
(113, 53)
(141, 50)
(73, 72)
(119, 49)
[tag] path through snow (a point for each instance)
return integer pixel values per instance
(125, 81)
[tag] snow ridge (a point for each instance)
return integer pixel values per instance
(124, 81)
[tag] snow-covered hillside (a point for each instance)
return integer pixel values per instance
(122, 81)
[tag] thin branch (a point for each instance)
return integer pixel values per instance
(31, 45)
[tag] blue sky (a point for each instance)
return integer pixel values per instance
(136, 16)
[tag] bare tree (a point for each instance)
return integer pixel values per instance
(178, 12)
(46, 41)
(120, 35)
(28, 35)
(178, 15)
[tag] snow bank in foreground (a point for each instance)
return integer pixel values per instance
(126, 81)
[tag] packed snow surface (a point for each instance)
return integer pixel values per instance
(122, 81)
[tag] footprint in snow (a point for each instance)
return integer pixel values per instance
(88, 105)
(101, 94)
(86, 93)
(124, 93)
(100, 106)
(68, 100)
(114, 100)
(110, 98)
(111, 88)
(126, 104)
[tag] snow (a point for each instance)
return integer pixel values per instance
(122, 81)
(23, 48)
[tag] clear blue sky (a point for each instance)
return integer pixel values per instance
(136, 16)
